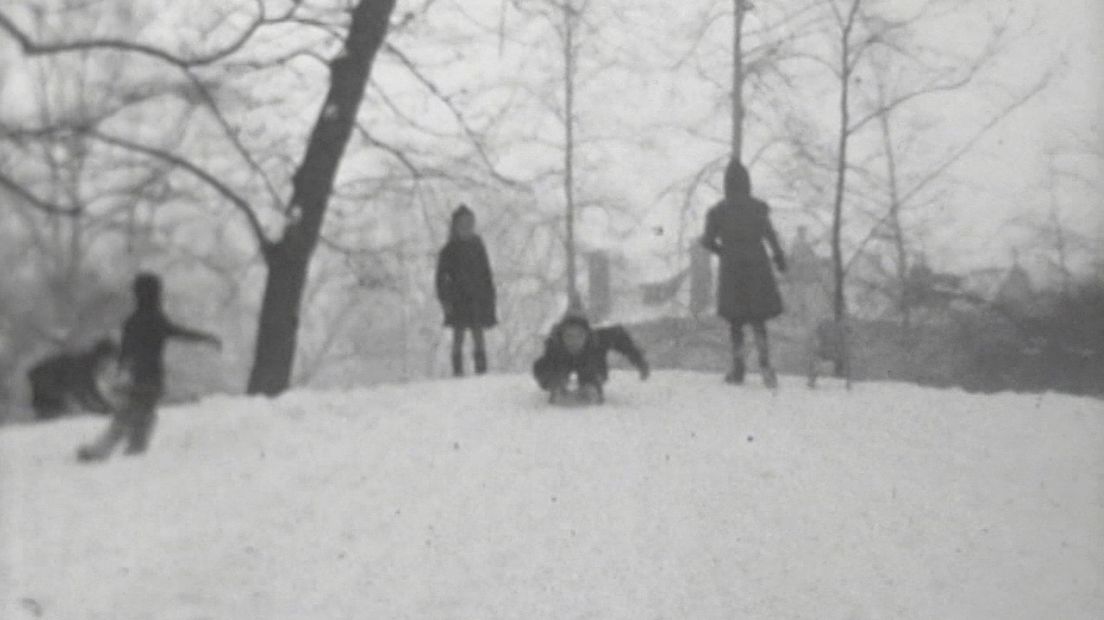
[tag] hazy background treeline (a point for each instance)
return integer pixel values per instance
(135, 135)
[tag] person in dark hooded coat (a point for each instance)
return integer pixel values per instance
(466, 290)
(747, 294)
(141, 371)
(573, 348)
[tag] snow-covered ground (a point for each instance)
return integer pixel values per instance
(682, 498)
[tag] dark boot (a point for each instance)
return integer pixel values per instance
(591, 394)
(770, 378)
(558, 395)
(480, 362)
(102, 447)
(89, 454)
(140, 433)
(736, 375)
(457, 365)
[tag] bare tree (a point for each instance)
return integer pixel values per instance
(747, 71)
(288, 256)
(872, 40)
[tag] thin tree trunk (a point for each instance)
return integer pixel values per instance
(839, 300)
(839, 307)
(904, 304)
(1059, 232)
(740, 10)
(569, 151)
(288, 259)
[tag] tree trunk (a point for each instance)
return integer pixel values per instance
(904, 303)
(740, 10)
(574, 299)
(839, 306)
(839, 299)
(279, 322)
(288, 259)
(1060, 246)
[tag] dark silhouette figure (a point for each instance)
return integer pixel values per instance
(63, 382)
(466, 290)
(573, 348)
(141, 373)
(747, 293)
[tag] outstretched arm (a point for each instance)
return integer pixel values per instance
(192, 335)
(710, 240)
(619, 340)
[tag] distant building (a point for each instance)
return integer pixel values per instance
(1016, 290)
(1007, 288)
(807, 284)
(636, 289)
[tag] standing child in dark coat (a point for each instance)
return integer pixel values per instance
(574, 348)
(747, 293)
(465, 288)
(141, 368)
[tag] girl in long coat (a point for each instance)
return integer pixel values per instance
(465, 288)
(735, 230)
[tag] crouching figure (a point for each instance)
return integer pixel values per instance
(574, 349)
(64, 382)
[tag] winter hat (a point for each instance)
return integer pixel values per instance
(147, 288)
(578, 320)
(461, 211)
(737, 182)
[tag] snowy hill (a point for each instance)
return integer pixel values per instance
(682, 498)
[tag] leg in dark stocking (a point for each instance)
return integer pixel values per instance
(102, 447)
(143, 418)
(736, 334)
(480, 351)
(557, 388)
(762, 347)
(140, 434)
(458, 352)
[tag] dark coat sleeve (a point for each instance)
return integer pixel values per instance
(711, 239)
(486, 274)
(443, 277)
(172, 330)
(617, 338)
(770, 235)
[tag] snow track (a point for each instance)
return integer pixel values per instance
(681, 498)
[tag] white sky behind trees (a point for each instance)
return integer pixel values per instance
(629, 113)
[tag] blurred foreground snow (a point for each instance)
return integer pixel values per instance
(681, 498)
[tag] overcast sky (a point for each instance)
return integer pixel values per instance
(1007, 174)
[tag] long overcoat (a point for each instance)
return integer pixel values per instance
(465, 284)
(735, 231)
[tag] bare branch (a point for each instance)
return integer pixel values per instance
(473, 136)
(30, 198)
(968, 145)
(196, 171)
(34, 48)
